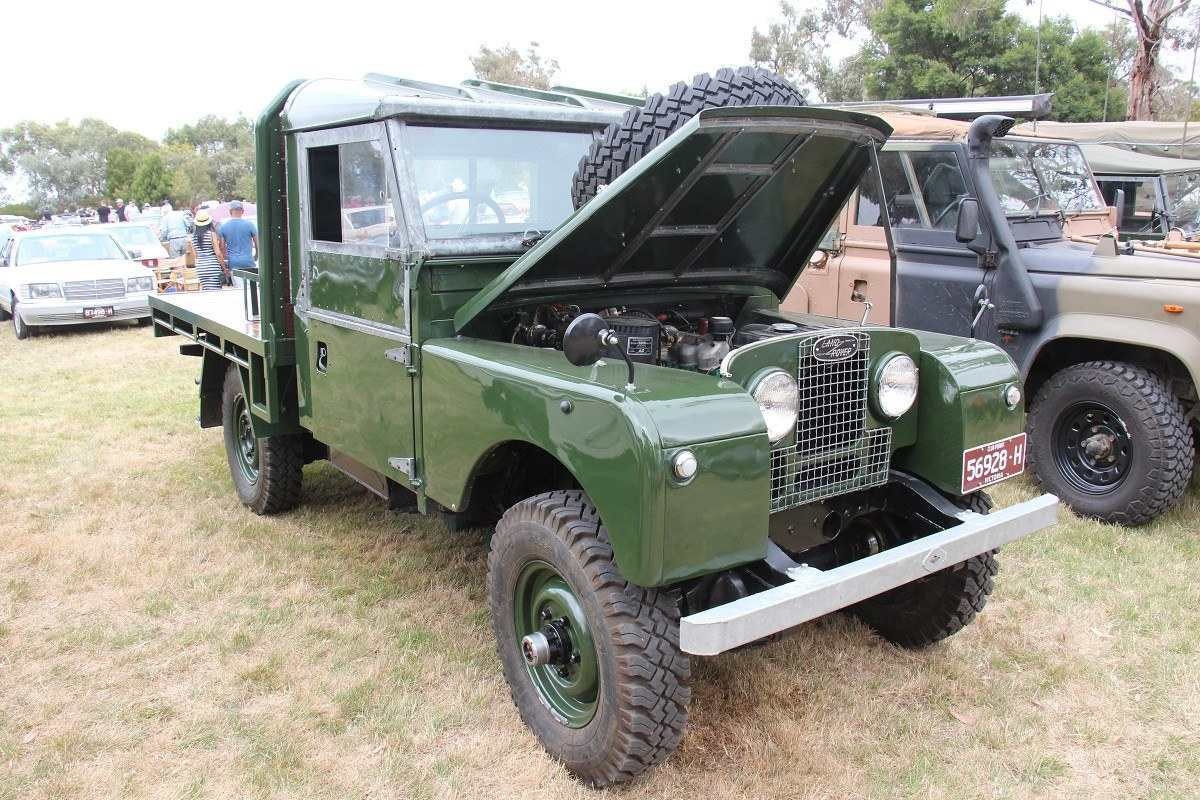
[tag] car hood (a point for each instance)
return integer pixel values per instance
(735, 196)
(1080, 258)
(62, 271)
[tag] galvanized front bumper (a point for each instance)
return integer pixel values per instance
(814, 593)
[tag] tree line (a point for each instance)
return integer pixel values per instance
(68, 165)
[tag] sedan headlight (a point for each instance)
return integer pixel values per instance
(142, 283)
(42, 291)
(896, 386)
(778, 399)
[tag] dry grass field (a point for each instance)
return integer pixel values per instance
(157, 640)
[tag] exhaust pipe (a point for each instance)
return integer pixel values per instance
(1017, 305)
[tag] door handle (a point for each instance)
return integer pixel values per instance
(322, 357)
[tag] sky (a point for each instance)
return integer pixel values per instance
(148, 66)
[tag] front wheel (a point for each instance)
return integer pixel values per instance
(20, 329)
(267, 472)
(592, 661)
(1112, 441)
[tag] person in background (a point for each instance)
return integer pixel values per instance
(102, 211)
(240, 239)
(121, 210)
(131, 211)
(175, 232)
(206, 248)
(167, 208)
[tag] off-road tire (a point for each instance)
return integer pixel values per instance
(280, 459)
(642, 703)
(642, 129)
(20, 329)
(1163, 450)
(924, 612)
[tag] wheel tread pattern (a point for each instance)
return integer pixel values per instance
(1171, 446)
(643, 625)
(642, 129)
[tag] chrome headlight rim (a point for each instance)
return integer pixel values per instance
(780, 418)
(894, 395)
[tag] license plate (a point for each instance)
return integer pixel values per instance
(99, 312)
(993, 462)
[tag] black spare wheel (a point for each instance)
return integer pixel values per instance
(267, 471)
(641, 129)
(592, 661)
(1112, 441)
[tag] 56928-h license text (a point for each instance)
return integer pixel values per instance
(993, 462)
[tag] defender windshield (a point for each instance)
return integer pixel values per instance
(1042, 178)
(71, 247)
(1183, 195)
(135, 236)
(495, 186)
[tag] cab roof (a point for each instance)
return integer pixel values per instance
(1107, 160)
(329, 102)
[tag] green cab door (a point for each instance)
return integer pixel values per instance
(353, 303)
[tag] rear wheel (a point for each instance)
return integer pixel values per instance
(1112, 441)
(642, 129)
(592, 661)
(928, 610)
(267, 472)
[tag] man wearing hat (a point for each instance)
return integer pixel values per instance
(240, 238)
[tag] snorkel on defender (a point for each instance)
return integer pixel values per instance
(1016, 304)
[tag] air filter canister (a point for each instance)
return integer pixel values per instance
(639, 336)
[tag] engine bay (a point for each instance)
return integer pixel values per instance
(693, 336)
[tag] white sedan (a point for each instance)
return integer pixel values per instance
(67, 277)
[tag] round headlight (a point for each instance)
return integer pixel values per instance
(779, 401)
(897, 387)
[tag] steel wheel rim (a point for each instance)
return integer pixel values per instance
(244, 439)
(570, 689)
(1092, 448)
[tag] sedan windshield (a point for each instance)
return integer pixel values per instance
(71, 247)
(134, 236)
(1042, 178)
(475, 182)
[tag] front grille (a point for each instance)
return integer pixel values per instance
(104, 289)
(833, 453)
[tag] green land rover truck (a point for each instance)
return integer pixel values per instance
(673, 466)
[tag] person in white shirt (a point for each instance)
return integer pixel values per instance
(132, 212)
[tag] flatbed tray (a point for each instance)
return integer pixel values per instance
(216, 319)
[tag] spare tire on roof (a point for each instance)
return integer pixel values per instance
(641, 129)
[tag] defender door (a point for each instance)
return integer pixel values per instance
(354, 303)
(1142, 214)
(816, 292)
(936, 276)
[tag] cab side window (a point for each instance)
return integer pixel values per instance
(901, 205)
(1139, 214)
(349, 200)
(942, 187)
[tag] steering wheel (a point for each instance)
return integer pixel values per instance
(953, 205)
(476, 200)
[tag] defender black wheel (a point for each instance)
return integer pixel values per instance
(20, 329)
(592, 661)
(642, 129)
(928, 610)
(1112, 441)
(267, 472)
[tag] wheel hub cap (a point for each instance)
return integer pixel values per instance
(1092, 448)
(556, 644)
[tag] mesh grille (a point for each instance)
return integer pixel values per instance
(833, 453)
(103, 289)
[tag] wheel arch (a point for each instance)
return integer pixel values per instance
(486, 492)
(1074, 346)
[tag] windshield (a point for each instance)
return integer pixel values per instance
(475, 182)
(1042, 178)
(74, 247)
(134, 236)
(1183, 196)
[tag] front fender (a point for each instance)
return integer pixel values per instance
(1172, 338)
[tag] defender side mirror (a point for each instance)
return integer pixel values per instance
(968, 220)
(1119, 204)
(586, 339)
